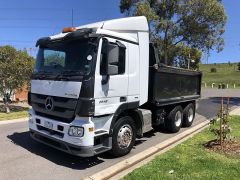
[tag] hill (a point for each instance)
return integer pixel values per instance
(226, 73)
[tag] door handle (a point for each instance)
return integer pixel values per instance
(123, 99)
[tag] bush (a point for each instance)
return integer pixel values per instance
(213, 70)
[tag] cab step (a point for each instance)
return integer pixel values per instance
(100, 132)
(101, 149)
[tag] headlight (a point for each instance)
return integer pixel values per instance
(75, 131)
(30, 118)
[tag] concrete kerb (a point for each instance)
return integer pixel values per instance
(151, 152)
(235, 112)
(13, 121)
(150, 158)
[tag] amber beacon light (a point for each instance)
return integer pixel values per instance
(68, 29)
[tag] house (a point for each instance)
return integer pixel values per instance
(19, 95)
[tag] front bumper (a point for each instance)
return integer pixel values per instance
(82, 151)
(57, 135)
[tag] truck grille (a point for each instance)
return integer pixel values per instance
(63, 108)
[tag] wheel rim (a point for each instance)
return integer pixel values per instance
(190, 115)
(124, 137)
(178, 118)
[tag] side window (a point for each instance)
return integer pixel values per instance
(122, 59)
(104, 57)
(112, 58)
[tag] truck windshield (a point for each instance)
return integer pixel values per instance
(68, 58)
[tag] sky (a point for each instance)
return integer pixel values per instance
(23, 22)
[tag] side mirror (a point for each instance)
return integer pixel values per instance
(113, 58)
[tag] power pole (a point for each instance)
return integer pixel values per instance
(207, 55)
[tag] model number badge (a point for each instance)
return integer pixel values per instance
(103, 101)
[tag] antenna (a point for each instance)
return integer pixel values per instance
(72, 17)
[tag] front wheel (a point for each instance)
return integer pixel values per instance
(124, 135)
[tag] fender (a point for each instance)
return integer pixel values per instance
(123, 107)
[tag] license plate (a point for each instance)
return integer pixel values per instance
(48, 125)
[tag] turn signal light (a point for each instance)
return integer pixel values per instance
(69, 29)
(91, 129)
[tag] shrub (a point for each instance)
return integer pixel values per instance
(238, 66)
(213, 70)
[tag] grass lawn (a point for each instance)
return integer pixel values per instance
(227, 74)
(15, 113)
(190, 160)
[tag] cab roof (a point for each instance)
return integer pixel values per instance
(138, 23)
(128, 26)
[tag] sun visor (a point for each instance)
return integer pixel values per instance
(76, 35)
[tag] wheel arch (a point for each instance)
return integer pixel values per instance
(128, 109)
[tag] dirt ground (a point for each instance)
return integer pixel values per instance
(229, 147)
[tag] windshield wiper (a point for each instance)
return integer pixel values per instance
(41, 74)
(65, 75)
(71, 73)
(61, 77)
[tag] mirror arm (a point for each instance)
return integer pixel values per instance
(120, 44)
(105, 79)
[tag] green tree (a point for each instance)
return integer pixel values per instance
(15, 70)
(197, 24)
(238, 66)
(186, 56)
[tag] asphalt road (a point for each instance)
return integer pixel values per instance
(23, 158)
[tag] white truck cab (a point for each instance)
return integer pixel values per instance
(91, 89)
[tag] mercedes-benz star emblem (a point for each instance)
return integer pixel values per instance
(49, 103)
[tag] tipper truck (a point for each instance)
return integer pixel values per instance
(98, 87)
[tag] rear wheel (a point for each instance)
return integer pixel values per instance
(188, 115)
(174, 119)
(124, 135)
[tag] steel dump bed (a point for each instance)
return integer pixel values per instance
(169, 85)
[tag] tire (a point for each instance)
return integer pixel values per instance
(174, 120)
(127, 125)
(188, 115)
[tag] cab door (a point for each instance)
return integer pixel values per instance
(111, 82)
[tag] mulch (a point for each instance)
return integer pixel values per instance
(229, 147)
